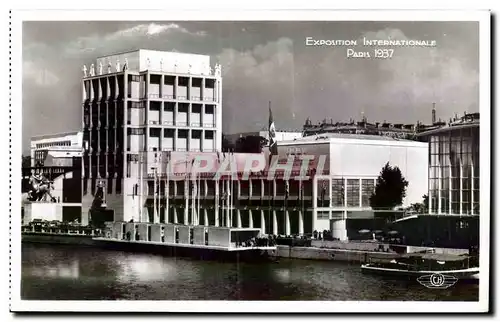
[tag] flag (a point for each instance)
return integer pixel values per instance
(273, 146)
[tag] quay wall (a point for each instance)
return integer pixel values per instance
(384, 247)
(49, 238)
(341, 255)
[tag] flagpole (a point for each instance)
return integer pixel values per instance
(199, 195)
(167, 193)
(154, 188)
(141, 155)
(159, 187)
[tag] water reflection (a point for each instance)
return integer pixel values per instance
(71, 273)
(145, 269)
(61, 270)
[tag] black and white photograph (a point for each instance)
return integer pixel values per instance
(341, 160)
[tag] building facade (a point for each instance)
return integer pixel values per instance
(56, 149)
(140, 103)
(337, 188)
(454, 167)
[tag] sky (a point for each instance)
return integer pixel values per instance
(262, 62)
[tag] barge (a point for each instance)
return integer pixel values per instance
(416, 265)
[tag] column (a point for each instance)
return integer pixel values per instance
(190, 89)
(217, 200)
(186, 201)
(176, 86)
(450, 211)
(287, 223)
(228, 204)
(439, 188)
(301, 222)
(162, 80)
(360, 192)
(275, 223)
(250, 218)
(202, 92)
(238, 218)
(262, 222)
(472, 188)
(175, 220)
(461, 187)
(314, 200)
(205, 217)
(430, 196)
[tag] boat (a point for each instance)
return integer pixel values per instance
(415, 265)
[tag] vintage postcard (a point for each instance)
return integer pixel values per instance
(285, 161)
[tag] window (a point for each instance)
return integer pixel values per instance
(134, 78)
(323, 215)
(352, 192)
(135, 131)
(136, 104)
(337, 192)
(368, 187)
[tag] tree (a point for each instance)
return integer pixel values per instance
(425, 202)
(390, 189)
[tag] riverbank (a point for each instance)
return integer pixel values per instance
(328, 254)
(352, 252)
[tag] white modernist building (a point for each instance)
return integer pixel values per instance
(136, 105)
(56, 149)
(352, 165)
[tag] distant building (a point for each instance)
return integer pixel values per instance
(56, 149)
(280, 135)
(395, 130)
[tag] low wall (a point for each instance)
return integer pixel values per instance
(218, 236)
(341, 255)
(335, 244)
(57, 239)
(184, 237)
(448, 251)
(199, 235)
(156, 233)
(170, 233)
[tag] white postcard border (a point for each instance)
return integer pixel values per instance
(243, 306)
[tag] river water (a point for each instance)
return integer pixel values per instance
(55, 272)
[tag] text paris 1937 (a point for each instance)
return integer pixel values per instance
(384, 53)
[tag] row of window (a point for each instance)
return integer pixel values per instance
(51, 144)
(170, 133)
(170, 80)
(347, 191)
(183, 107)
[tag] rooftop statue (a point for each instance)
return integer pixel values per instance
(84, 70)
(109, 66)
(125, 65)
(218, 70)
(100, 68)
(118, 65)
(92, 70)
